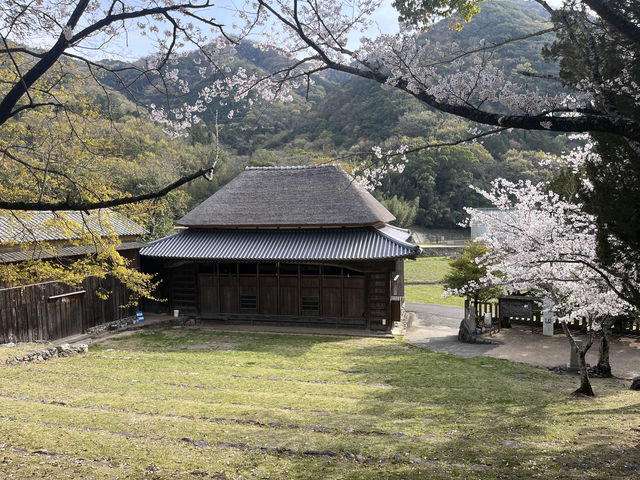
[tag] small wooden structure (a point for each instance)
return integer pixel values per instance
(629, 327)
(50, 310)
(299, 246)
(517, 307)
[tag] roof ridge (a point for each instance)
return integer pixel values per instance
(292, 167)
(397, 240)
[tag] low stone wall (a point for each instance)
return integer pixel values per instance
(64, 350)
(112, 326)
(441, 251)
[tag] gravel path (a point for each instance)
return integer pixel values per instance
(435, 327)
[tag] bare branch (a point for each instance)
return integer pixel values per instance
(83, 205)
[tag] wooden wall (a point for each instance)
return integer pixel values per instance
(350, 291)
(28, 313)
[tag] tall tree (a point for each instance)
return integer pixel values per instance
(598, 47)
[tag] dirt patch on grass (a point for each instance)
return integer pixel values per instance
(174, 339)
(212, 346)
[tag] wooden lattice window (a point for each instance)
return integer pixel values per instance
(248, 301)
(310, 304)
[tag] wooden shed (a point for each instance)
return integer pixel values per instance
(286, 246)
(50, 309)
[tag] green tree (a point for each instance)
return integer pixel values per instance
(405, 211)
(466, 273)
(602, 51)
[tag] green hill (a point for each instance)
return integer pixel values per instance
(342, 117)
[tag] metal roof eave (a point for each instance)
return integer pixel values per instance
(317, 245)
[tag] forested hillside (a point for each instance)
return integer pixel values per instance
(339, 118)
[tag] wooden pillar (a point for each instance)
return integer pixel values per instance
(237, 288)
(257, 287)
(299, 292)
(341, 292)
(320, 309)
(218, 286)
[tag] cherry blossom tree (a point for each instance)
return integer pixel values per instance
(539, 242)
(46, 45)
(313, 36)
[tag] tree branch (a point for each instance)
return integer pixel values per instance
(69, 204)
(616, 18)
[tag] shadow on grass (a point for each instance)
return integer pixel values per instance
(203, 339)
(506, 419)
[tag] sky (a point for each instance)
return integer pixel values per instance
(133, 45)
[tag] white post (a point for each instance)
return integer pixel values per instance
(547, 317)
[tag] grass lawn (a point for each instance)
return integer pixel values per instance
(199, 403)
(430, 294)
(426, 269)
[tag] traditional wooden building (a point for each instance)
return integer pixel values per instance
(287, 246)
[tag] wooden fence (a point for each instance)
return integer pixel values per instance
(50, 310)
(621, 327)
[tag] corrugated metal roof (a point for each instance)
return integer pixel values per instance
(28, 227)
(281, 245)
(70, 251)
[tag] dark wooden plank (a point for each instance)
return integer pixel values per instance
(288, 295)
(208, 293)
(4, 316)
(354, 297)
(229, 294)
(268, 298)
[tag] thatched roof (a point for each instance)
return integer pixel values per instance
(323, 195)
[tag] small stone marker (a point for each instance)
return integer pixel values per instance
(573, 366)
(470, 321)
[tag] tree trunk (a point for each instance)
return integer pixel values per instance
(603, 368)
(585, 384)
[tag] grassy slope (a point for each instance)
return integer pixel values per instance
(123, 410)
(428, 270)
